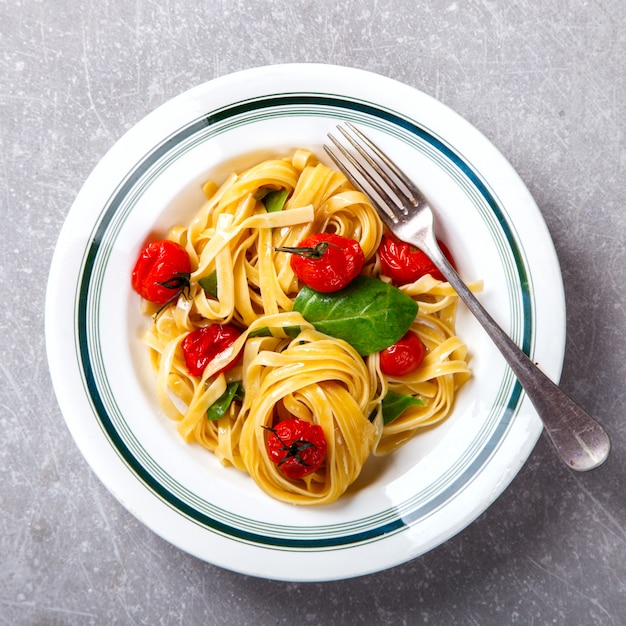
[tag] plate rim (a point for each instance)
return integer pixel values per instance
(286, 70)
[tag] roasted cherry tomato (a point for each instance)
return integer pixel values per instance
(326, 262)
(404, 263)
(404, 357)
(202, 345)
(297, 447)
(161, 272)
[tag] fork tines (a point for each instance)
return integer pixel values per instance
(369, 169)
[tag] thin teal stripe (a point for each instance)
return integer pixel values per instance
(149, 160)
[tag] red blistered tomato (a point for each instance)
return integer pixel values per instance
(403, 357)
(161, 272)
(404, 263)
(326, 262)
(297, 447)
(202, 345)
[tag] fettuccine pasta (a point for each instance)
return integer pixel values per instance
(285, 367)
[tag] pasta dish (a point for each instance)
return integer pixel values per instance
(292, 337)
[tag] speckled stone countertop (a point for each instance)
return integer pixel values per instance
(544, 81)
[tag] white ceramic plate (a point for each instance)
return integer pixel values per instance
(402, 505)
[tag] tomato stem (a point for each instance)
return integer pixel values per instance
(293, 450)
(314, 252)
(180, 283)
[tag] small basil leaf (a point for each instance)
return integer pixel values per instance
(369, 314)
(394, 404)
(275, 200)
(220, 406)
(261, 192)
(209, 284)
(263, 331)
(266, 331)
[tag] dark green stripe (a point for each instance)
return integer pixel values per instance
(218, 116)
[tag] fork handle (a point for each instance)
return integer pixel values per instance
(579, 440)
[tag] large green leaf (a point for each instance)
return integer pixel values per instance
(369, 314)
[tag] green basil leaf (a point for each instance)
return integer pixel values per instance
(263, 331)
(394, 404)
(275, 200)
(220, 406)
(209, 284)
(266, 331)
(369, 314)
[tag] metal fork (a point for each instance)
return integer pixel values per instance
(578, 439)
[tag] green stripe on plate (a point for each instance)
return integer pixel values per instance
(130, 451)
